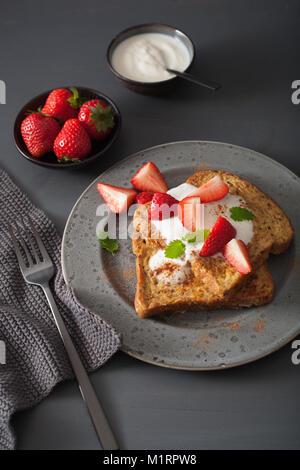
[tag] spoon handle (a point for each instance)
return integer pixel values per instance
(187, 76)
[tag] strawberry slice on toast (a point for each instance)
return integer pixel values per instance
(214, 190)
(163, 206)
(236, 254)
(117, 199)
(149, 178)
(221, 233)
(144, 197)
(190, 213)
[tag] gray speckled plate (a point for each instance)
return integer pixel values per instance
(194, 340)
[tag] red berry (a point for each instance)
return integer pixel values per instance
(73, 142)
(149, 178)
(236, 254)
(117, 199)
(213, 190)
(144, 197)
(190, 213)
(62, 104)
(163, 206)
(222, 232)
(97, 119)
(39, 133)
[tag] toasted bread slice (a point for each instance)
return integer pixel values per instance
(273, 231)
(211, 282)
(257, 290)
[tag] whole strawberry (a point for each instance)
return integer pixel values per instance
(72, 143)
(62, 104)
(39, 133)
(97, 119)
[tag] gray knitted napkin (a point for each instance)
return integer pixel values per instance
(35, 357)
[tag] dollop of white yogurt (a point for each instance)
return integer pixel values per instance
(172, 229)
(145, 57)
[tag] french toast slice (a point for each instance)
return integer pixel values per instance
(258, 289)
(150, 300)
(211, 281)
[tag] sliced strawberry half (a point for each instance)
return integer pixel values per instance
(190, 213)
(144, 197)
(117, 199)
(163, 206)
(221, 233)
(213, 190)
(236, 254)
(149, 178)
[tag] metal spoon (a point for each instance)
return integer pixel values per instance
(191, 78)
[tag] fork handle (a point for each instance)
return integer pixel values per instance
(103, 429)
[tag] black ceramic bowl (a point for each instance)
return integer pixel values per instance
(150, 88)
(50, 160)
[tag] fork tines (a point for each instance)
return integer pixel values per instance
(31, 243)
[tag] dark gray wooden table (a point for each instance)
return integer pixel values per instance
(252, 48)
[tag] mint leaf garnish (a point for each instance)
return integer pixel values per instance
(197, 236)
(109, 244)
(102, 235)
(175, 249)
(206, 233)
(240, 213)
(190, 237)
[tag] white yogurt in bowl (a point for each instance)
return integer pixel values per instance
(145, 57)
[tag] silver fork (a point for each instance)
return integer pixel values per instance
(39, 270)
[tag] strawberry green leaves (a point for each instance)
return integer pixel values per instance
(74, 100)
(96, 116)
(65, 159)
(102, 117)
(239, 214)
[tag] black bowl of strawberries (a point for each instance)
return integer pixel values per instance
(66, 127)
